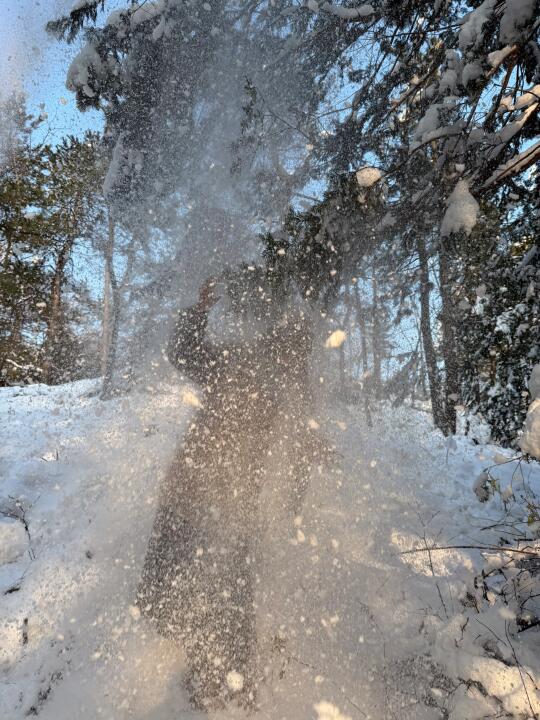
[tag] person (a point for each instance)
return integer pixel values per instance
(198, 579)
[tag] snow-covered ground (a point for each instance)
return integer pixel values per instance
(349, 625)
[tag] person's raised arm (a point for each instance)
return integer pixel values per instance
(187, 349)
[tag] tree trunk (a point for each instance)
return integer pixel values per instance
(9, 342)
(106, 320)
(377, 360)
(451, 385)
(346, 328)
(7, 254)
(361, 319)
(110, 332)
(342, 370)
(366, 384)
(52, 366)
(427, 336)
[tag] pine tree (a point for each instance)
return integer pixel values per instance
(23, 245)
(49, 202)
(74, 210)
(500, 320)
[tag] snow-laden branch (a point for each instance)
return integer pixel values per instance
(515, 165)
(344, 13)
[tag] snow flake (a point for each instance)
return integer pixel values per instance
(235, 680)
(189, 398)
(327, 711)
(336, 339)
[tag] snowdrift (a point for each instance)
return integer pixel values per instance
(351, 623)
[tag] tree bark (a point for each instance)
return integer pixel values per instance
(342, 369)
(346, 328)
(52, 366)
(451, 366)
(377, 359)
(9, 342)
(366, 381)
(361, 319)
(110, 332)
(430, 354)
(5, 259)
(106, 320)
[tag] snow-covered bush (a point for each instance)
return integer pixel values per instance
(530, 440)
(491, 645)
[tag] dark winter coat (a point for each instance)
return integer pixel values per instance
(198, 574)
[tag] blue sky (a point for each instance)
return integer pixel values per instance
(32, 61)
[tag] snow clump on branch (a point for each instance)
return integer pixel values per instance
(368, 176)
(85, 68)
(461, 212)
(530, 440)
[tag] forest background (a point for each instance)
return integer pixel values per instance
(383, 157)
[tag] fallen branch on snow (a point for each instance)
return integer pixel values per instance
(491, 548)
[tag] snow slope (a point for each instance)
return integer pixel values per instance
(349, 626)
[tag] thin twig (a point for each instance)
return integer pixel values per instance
(496, 548)
(518, 664)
